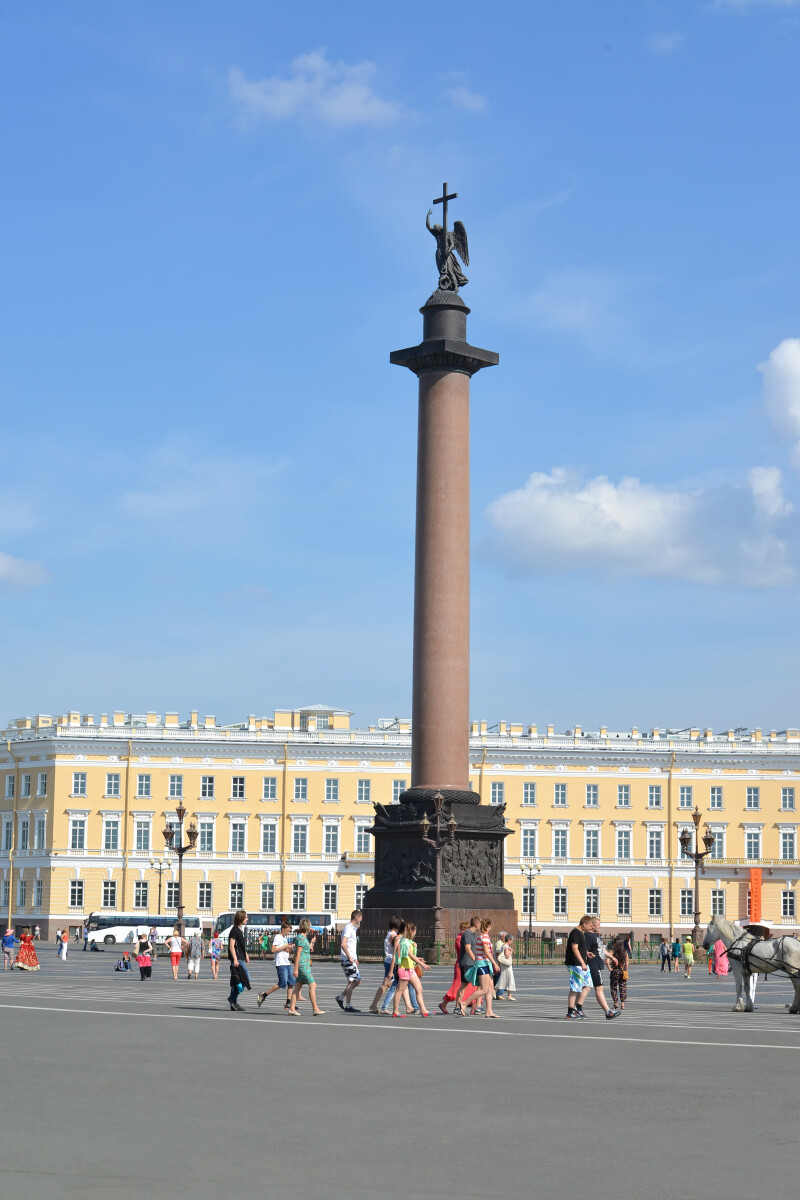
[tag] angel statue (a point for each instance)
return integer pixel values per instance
(448, 244)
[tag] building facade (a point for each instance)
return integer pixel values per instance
(284, 804)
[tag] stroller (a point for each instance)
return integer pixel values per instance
(124, 963)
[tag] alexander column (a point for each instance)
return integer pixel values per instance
(461, 866)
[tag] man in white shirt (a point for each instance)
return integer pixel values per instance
(348, 957)
(286, 979)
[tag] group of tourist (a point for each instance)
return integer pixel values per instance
(24, 958)
(483, 972)
(585, 958)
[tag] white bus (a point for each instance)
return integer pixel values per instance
(270, 922)
(111, 928)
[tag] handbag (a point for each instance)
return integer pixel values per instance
(625, 976)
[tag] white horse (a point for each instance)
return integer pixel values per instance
(749, 955)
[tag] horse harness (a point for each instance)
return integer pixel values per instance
(741, 951)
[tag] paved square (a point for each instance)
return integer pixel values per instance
(116, 1087)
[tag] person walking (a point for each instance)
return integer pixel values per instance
(58, 942)
(576, 960)
(26, 955)
(485, 966)
(302, 971)
(506, 983)
(618, 980)
(144, 956)
(286, 980)
(467, 963)
(688, 957)
(388, 965)
(676, 952)
(196, 952)
(409, 968)
(663, 950)
(596, 954)
(214, 952)
(175, 944)
(409, 995)
(85, 936)
(238, 958)
(9, 942)
(64, 944)
(153, 936)
(451, 993)
(36, 933)
(348, 957)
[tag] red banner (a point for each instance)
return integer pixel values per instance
(755, 893)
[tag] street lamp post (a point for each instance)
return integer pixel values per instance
(180, 850)
(698, 857)
(160, 865)
(530, 874)
(443, 834)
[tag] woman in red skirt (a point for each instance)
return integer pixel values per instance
(450, 996)
(26, 958)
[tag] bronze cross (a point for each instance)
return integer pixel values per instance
(443, 201)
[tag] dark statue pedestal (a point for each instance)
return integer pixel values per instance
(471, 865)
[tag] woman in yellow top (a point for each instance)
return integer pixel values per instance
(688, 957)
(407, 963)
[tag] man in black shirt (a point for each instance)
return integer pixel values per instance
(596, 956)
(576, 960)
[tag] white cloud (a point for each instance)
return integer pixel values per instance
(466, 100)
(317, 90)
(180, 482)
(781, 391)
(730, 535)
(664, 43)
(21, 572)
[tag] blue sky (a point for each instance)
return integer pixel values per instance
(214, 235)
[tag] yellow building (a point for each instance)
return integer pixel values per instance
(283, 805)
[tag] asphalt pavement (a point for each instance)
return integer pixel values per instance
(113, 1087)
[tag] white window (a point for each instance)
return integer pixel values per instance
(42, 788)
(78, 783)
(329, 897)
(26, 787)
(204, 896)
(270, 788)
(717, 902)
(331, 838)
(655, 846)
(528, 842)
(175, 787)
(685, 797)
(300, 838)
(529, 793)
(363, 839)
(77, 833)
(10, 787)
(654, 795)
(559, 902)
(173, 895)
(237, 787)
(592, 901)
(361, 894)
(22, 893)
(560, 795)
(24, 833)
(753, 799)
(40, 835)
(718, 845)
(301, 789)
(142, 833)
(140, 894)
(206, 787)
(111, 833)
(237, 895)
(591, 843)
(238, 835)
(559, 843)
(787, 799)
(298, 897)
(716, 798)
(623, 795)
(623, 902)
(267, 897)
(498, 793)
(38, 893)
(5, 892)
(205, 842)
(8, 834)
(592, 795)
(331, 790)
(687, 902)
(788, 905)
(623, 843)
(529, 901)
(398, 787)
(787, 844)
(752, 844)
(143, 786)
(112, 784)
(269, 837)
(363, 791)
(654, 903)
(109, 893)
(76, 893)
